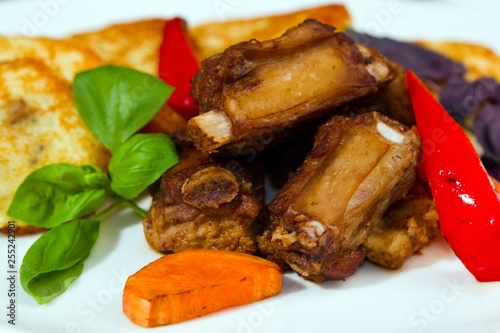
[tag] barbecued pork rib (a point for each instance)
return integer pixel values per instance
(257, 88)
(356, 169)
(206, 203)
(407, 226)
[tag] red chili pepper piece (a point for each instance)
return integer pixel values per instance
(466, 201)
(177, 66)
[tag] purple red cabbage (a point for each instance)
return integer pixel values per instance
(425, 63)
(487, 130)
(460, 97)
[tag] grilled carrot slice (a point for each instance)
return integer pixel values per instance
(192, 283)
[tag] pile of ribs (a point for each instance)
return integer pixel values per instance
(326, 124)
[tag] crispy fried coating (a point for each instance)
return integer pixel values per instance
(408, 225)
(133, 44)
(65, 59)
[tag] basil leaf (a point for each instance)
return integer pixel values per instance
(115, 102)
(59, 192)
(55, 260)
(139, 162)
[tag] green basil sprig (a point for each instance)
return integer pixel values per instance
(114, 103)
(55, 260)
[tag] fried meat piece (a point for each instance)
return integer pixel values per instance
(407, 226)
(392, 100)
(256, 89)
(356, 169)
(205, 203)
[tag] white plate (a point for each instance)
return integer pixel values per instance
(432, 293)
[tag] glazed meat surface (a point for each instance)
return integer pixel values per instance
(255, 89)
(206, 203)
(356, 169)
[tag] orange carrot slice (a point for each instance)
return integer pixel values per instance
(192, 283)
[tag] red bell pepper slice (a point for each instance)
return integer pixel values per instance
(466, 201)
(177, 66)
